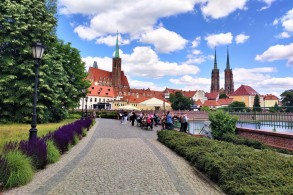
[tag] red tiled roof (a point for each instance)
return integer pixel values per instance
(103, 91)
(98, 75)
(198, 103)
(270, 97)
(189, 94)
(225, 101)
(211, 103)
(244, 90)
(212, 96)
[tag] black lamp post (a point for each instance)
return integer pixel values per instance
(86, 98)
(83, 94)
(166, 95)
(38, 50)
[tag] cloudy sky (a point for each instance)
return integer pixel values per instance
(171, 43)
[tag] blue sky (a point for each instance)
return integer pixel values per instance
(171, 43)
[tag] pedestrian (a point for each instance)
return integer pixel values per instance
(132, 117)
(185, 123)
(169, 121)
(121, 116)
(125, 115)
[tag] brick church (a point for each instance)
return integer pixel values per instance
(215, 81)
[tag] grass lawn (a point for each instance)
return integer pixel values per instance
(17, 132)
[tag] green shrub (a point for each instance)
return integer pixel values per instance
(222, 123)
(237, 169)
(19, 168)
(236, 139)
(75, 139)
(53, 154)
(84, 132)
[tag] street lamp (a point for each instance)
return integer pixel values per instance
(86, 98)
(38, 50)
(166, 95)
(83, 94)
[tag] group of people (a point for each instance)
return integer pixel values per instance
(166, 120)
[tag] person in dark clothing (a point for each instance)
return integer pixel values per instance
(132, 117)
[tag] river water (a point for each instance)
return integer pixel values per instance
(287, 128)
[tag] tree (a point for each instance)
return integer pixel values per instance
(179, 102)
(237, 106)
(22, 23)
(223, 96)
(222, 123)
(205, 108)
(287, 100)
(256, 104)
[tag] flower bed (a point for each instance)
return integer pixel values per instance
(20, 159)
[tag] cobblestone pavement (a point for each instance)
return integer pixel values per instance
(119, 159)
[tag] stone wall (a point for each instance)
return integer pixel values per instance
(279, 140)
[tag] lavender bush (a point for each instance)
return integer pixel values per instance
(36, 149)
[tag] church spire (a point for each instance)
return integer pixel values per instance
(228, 62)
(117, 47)
(215, 60)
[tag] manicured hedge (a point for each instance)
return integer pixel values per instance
(237, 169)
(19, 159)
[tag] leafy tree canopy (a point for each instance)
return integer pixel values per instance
(179, 102)
(287, 100)
(61, 74)
(256, 104)
(237, 106)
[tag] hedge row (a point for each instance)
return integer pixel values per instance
(237, 169)
(20, 159)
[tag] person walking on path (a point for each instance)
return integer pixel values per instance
(169, 121)
(132, 117)
(125, 115)
(184, 123)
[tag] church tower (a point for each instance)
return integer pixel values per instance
(229, 83)
(116, 67)
(215, 86)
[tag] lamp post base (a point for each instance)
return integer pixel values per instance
(33, 133)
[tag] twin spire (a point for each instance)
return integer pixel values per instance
(227, 63)
(117, 47)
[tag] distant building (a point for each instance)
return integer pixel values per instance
(246, 94)
(229, 83)
(270, 100)
(215, 85)
(215, 79)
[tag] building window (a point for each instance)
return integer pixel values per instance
(95, 99)
(109, 89)
(106, 93)
(98, 93)
(90, 99)
(99, 99)
(93, 87)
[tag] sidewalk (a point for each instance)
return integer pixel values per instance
(119, 159)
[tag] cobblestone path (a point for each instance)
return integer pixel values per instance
(119, 159)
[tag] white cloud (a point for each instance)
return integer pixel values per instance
(287, 21)
(144, 85)
(128, 16)
(195, 43)
(214, 40)
(191, 83)
(241, 38)
(283, 35)
(196, 52)
(165, 41)
(144, 62)
(262, 80)
(111, 40)
(221, 8)
(268, 4)
(276, 21)
(277, 52)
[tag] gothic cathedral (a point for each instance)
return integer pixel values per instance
(215, 82)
